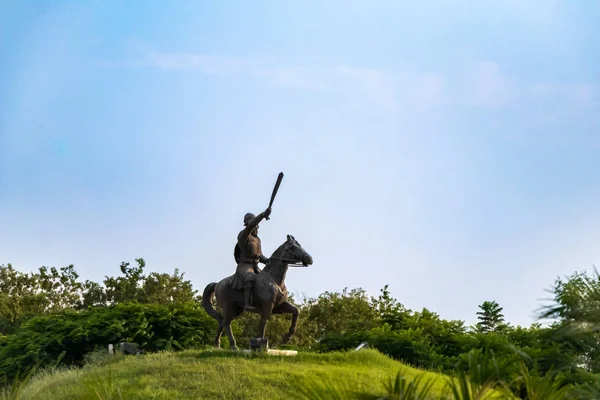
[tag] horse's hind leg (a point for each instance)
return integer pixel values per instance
(218, 337)
(287, 308)
(229, 314)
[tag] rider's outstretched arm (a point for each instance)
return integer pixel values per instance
(255, 221)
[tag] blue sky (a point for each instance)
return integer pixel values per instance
(450, 151)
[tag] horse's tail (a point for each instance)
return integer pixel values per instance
(207, 302)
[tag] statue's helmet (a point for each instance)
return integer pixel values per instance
(248, 217)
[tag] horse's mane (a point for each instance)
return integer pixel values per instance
(276, 253)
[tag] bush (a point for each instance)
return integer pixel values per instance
(66, 337)
(407, 346)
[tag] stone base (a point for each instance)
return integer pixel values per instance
(282, 352)
(262, 345)
(259, 344)
(273, 352)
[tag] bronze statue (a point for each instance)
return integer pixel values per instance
(269, 293)
(248, 254)
(251, 289)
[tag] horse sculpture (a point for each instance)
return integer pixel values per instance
(269, 294)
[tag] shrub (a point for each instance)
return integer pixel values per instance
(66, 337)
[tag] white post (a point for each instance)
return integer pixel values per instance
(111, 349)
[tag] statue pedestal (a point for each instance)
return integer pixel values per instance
(262, 345)
(273, 352)
(259, 344)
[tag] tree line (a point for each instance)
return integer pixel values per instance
(51, 317)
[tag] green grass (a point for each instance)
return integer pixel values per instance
(223, 374)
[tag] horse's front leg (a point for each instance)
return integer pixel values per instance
(287, 308)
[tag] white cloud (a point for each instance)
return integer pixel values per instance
(482, 84)
(375, 82)
(428, 91)
(579, 94)
(576, 102)
(189, 61)
(293, 77)
(487, 87)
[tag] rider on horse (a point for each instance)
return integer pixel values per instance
(247, 255)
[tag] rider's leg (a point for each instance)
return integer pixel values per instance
(247, 294)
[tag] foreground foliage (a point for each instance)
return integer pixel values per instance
(219, 375)
(363, 375)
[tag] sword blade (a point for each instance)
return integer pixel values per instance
(276, 188)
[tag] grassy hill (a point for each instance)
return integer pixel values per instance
(224, 375)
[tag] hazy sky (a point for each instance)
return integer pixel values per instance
(452, 152)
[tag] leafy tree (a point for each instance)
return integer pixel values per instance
(390, 311)
(164, 289)
(61, 288)
(446, 337)
(24, 295)
(576, 312)
(126, 287)
(490, 317)
(576, 299)
(48, 290)
(93, 295)
(344, 312)
(134, 285)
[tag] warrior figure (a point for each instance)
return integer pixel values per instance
(247, 255)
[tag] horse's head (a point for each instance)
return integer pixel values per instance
(295, 254)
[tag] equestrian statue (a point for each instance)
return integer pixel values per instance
(251, 289)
